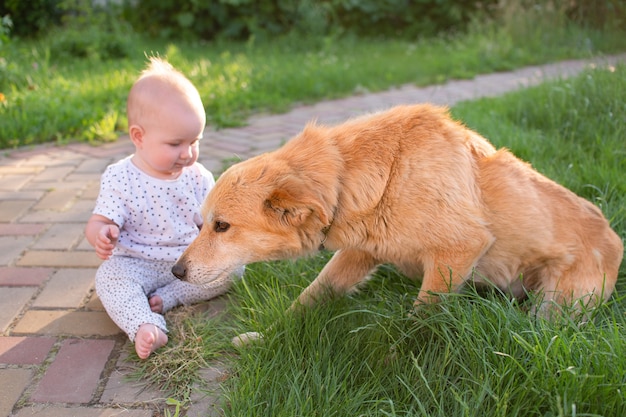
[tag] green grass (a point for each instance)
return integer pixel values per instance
(50, 97)
(470, 355)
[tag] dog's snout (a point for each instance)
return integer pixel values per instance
(179, 271)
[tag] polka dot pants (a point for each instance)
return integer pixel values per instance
(125, 284)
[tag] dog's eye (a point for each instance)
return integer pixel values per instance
(221, 227)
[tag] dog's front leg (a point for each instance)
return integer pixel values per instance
(346, 269)
(445, 275)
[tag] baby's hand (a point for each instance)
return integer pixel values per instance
(106, 241)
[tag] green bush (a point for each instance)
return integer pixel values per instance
(245, 19)
(241, 19)
(412, 18)
(6, 24)
(597, 14)
(232, 19)
(31, 17)
(93, 32)
(80, 29)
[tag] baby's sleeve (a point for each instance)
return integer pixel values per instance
(111, 201)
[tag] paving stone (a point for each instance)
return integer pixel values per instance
(92, 165)
(62, 322)
(269, 146)
(66, 155)
(91, 191)
(60, 236)
(79, 211)
(59, 200)
(16, 169)
(83, 177)
(120, 389)
(235, 148)
(57, 173)
(13, 301)
(22, 155)
(14, 182)
(67, 288)
(24, 350)
(19, 194)
(94, 304)
(53, 185)
(45, 156)
(215, 167)
(123, 146)
(61, 411)
(51, 258)
(219, 155)
(11, 247)
(206, 402)
(84, 245)
(11, 211)
(13, 383)
(75, 372)
(21, 277)
(23, 229)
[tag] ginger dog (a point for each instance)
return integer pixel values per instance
(410, 187)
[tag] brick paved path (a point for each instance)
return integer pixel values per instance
(60, 355)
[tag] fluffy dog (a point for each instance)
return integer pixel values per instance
(414, 188)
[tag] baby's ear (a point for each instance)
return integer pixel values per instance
(293, 203)
(136, 135)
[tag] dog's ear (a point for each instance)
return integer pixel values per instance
(293, 203)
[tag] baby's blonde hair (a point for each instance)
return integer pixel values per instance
(158, 81)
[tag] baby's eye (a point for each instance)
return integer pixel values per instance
(221, 227)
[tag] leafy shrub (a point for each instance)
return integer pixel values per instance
(412, 18)
(93, 32)
(245, 19)
(31, 17)
(597, 14)
(81, 29)
(234, 19)
(7, 70)
(5, 29)
(242, 19)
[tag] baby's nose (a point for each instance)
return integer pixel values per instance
(187, 153)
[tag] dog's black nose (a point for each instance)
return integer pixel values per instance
(179, 271)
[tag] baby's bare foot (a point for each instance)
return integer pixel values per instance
(148, 339)
(156, 304)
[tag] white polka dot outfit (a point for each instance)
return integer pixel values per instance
(158, 219)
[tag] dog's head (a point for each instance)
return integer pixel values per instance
(260, 209)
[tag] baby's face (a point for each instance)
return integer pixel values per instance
(170, 140)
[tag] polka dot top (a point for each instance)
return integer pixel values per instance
(157, 218)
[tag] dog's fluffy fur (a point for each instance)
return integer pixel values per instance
(411, 187)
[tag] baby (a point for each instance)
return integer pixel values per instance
(148, 209)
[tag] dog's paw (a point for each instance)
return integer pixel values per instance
(246, 338)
